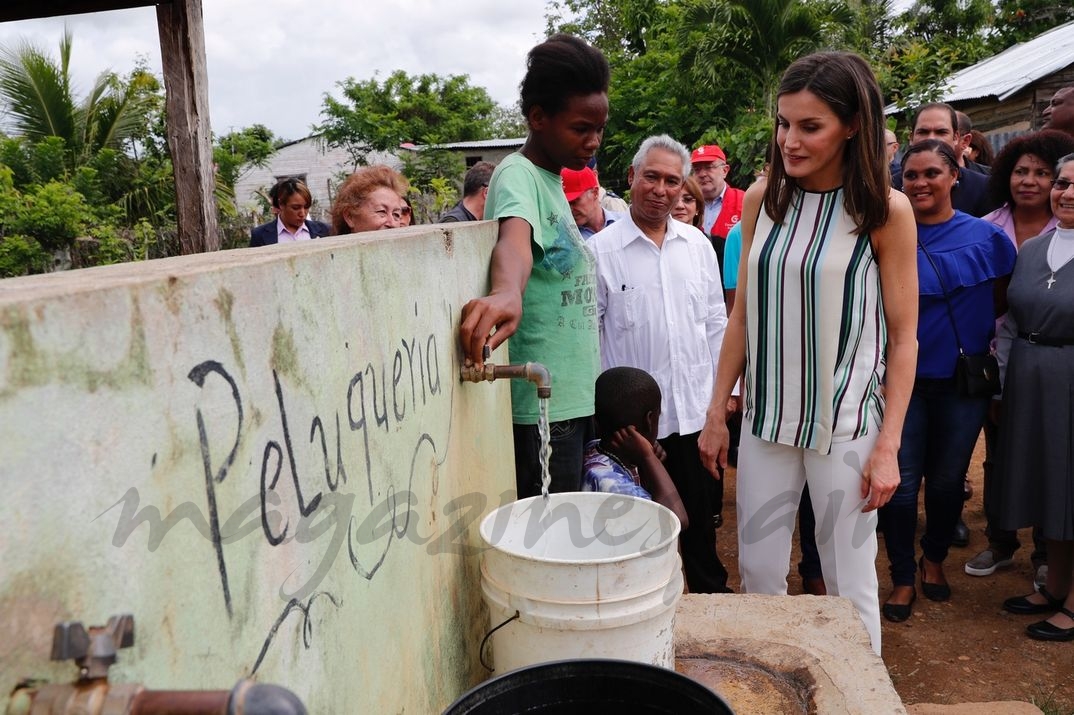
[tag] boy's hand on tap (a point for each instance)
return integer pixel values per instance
(499, 311)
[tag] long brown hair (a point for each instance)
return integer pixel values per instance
(690, 186)
(844, 82)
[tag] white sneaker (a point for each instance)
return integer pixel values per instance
(986, 562)
(1041, 579)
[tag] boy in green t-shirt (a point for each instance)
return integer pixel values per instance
(541, 272)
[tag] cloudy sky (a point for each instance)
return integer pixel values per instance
(271, 61)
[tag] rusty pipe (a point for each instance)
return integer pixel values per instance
(99, 697)
(534, 372)
(247, 697)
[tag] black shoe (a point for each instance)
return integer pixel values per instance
(1044, 631)
(899, 612)
(933, 591)
(1022, 606)
(814, 586)
(961, 536)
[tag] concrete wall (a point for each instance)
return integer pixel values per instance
(294, 414)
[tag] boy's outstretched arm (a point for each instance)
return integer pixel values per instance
(631, 445)
(509, 272)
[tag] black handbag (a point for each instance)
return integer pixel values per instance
(975, 375)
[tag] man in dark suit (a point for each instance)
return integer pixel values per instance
(291, 202)
(939, 121)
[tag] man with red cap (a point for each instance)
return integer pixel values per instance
(723, 203)
(583, 194)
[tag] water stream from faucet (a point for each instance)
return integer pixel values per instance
(546, 445)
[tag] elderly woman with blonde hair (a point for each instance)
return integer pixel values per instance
(368, 200)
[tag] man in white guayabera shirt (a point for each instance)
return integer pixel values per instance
(661, 309)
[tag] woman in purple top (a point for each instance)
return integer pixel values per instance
(1022, 182)
(963, 264)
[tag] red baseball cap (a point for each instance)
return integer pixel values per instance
(707, 153)
(576, 183)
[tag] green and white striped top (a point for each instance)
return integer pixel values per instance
(815, 337)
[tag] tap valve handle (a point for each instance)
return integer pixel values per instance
(121, 630)
(70, 641)
(93, 650)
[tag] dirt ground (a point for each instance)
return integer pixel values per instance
(966, 650)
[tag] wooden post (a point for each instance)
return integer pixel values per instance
(182, 51)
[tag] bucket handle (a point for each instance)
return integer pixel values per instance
(481, 651)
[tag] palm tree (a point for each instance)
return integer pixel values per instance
(36, 92)
(759, 38)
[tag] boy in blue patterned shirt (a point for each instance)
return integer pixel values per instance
(625, 460)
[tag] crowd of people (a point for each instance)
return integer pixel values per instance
(841, 331)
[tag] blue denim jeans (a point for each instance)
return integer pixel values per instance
(568, 440)
(938, 438)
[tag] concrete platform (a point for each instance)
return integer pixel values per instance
(1006, 707)
(816, 645)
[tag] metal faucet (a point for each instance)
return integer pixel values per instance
(535, 372)
(95, 650)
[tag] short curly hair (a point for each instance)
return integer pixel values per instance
(358, 186)
(1048, 145)
(559, 68)
(623, 397)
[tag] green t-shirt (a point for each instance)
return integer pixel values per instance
(559, 308)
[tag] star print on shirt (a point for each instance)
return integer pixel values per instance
(552, 219)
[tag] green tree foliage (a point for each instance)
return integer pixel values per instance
(872, 29)
(1021, 20)
(250, 146)
(508, 122)
(94, 167)
(54, 214)
(615, 26)
(957, 28)
(36, 92)
(916, 74)
(706, 70)
(431, 189)
(761, 37)
(423, 109)
(109, 143)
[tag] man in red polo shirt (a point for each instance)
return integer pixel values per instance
(723, 203)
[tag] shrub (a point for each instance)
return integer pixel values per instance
(22, 255)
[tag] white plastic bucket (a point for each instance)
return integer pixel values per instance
(590, 575)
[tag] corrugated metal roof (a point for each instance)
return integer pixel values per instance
(480, 144)
(1008, 72)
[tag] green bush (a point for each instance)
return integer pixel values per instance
(22, 255)
(54, 214)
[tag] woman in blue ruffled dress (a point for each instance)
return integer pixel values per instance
(963, 265)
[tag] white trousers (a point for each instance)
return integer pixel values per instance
(769, 486)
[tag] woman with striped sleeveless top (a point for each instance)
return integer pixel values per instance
(825, 331)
